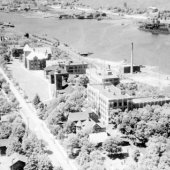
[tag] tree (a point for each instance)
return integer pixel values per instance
(7, 58)
(110, 146)
(18, 129)
(32, 163)
(44, 163)
(69, 127)
(31, 145)
(72, 141)
(136, 155)
(82, 80)
(36, 100)
(5, 130)
(83, 158)
(14, 146)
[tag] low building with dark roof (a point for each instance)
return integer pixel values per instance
(3, 146)
(17, 161)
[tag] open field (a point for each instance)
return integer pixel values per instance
(31, 82)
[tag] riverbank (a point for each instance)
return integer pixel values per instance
(105, 40)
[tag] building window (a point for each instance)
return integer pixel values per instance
(115, 104)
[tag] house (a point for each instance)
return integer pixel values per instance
(98, 138)
(35, 58)
(3, 146)
(93, 126)
(79, 116)
(17, 161)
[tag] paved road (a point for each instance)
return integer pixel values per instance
(59, 156)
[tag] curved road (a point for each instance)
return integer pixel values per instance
(58, 156)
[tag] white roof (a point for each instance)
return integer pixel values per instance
(43, 50)
(27, 48)
(40, 56)
(96, 138)
(38, 49)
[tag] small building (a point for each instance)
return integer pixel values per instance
(75, 67)
(17, 161)
(98, 138)
(105, 76)
(35, 58)
(127, 69)
(79, 116)
(3, 146)
(95, 127)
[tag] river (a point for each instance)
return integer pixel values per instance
(108, 41)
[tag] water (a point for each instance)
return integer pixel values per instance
(108, 41)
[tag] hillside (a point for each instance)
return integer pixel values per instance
(162, 4)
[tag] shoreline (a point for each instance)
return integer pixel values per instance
(159, 79)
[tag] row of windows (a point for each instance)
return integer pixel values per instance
(75, 70)
(117, 104)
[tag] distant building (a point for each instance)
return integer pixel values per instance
(102, 76)
(127, 69)
(35, 58)
(153, 12)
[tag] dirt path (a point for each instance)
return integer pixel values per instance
(58, 156)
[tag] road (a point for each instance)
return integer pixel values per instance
(28, 113)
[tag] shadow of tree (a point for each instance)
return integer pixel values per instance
(118, 156)
(49, 152)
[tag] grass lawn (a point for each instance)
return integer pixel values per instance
(31, 82)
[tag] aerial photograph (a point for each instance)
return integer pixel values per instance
(84, 84)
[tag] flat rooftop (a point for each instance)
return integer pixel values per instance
(75, 63)
(150, 99)
(102, 74)
(110, 91)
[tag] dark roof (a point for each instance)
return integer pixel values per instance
(79, 116)
(4, 142)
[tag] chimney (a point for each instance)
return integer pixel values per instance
(131, 67)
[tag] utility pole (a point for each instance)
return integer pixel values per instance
(131, 68)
